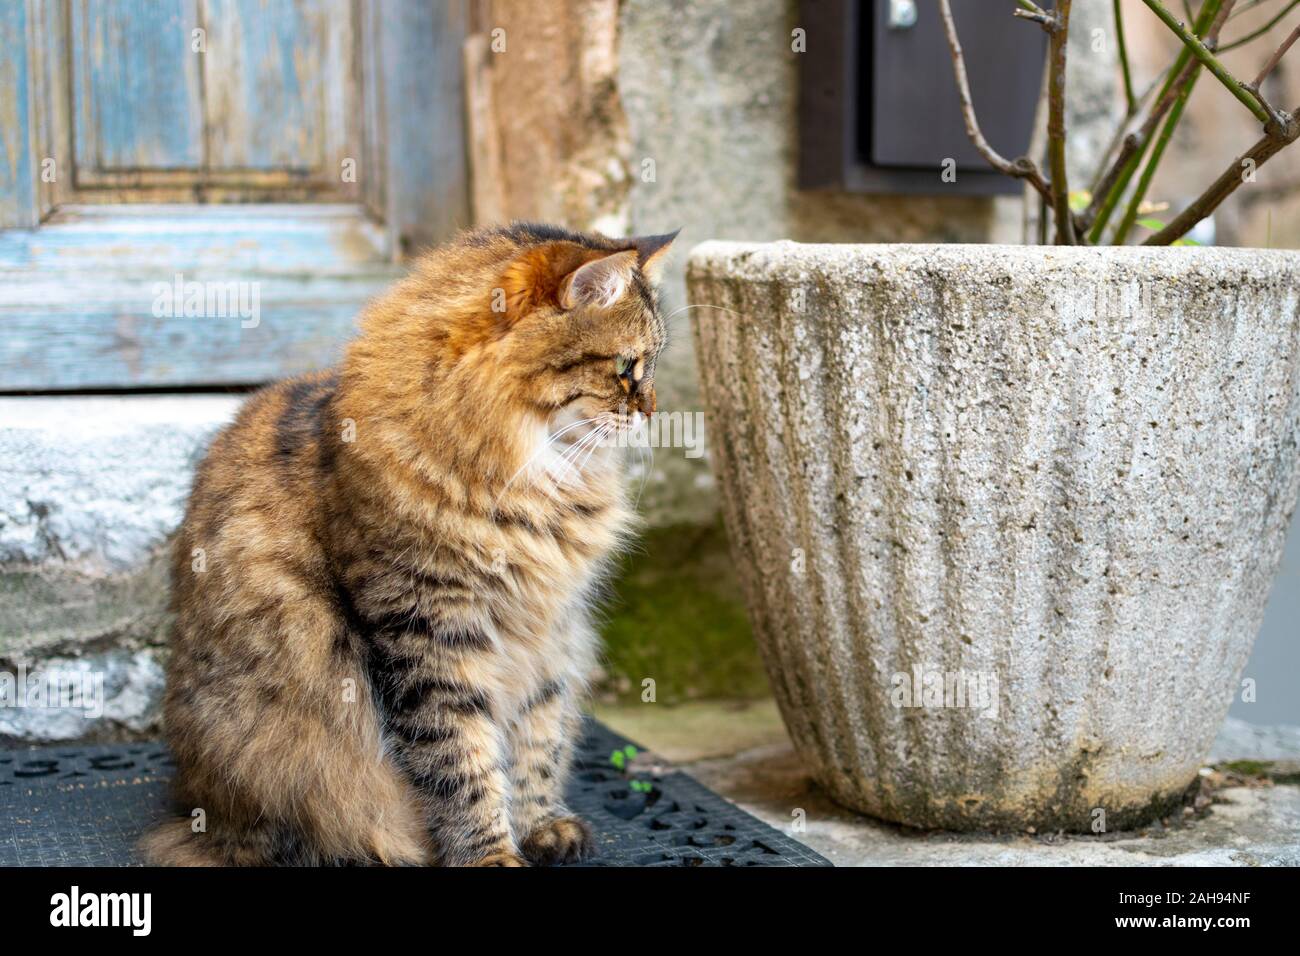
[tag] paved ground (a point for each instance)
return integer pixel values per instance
(1248, 814)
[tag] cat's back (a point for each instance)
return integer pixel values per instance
(256, 493)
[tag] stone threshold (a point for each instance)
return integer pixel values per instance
(1248, 813)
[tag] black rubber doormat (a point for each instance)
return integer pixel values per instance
(87, 806)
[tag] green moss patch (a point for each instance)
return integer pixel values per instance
(1249, 768)
(676, 616)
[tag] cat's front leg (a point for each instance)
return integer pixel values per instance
(442, 727)
(542, 742)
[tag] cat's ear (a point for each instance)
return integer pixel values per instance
(536, 276)
(600, 282)
(652, 253)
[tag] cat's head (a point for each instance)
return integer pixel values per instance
(579, 322)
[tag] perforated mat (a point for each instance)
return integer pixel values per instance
(87, 806)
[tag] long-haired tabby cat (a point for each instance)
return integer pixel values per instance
(383, 579)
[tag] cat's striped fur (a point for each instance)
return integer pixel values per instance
(383, 580)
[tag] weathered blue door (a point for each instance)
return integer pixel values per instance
(204, 192)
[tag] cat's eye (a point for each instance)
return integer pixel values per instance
(621, 366)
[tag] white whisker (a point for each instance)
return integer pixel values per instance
(569, 458)
(602, 433)
(699, 305)
(647, 466)
(605, 430)
(542, 449)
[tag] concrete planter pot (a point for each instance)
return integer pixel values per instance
(1006, 517)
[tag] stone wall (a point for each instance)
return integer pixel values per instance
(710, 91)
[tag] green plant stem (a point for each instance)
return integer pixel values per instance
(1218, 13)
(1129, 98)
(1210, 61)
(1246, 8)
(1177, 76)
(1241, 41)
(1157, 151)
(1057, 36)
(1114, 155)
(1115, 192)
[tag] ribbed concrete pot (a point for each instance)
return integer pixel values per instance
(1057, 479)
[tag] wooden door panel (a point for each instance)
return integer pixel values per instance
(280, 85)
(102, 346)
(136, 86)
(19, 159)
(204, 100)
(220, 168)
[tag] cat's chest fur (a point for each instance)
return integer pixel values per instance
(514, 590)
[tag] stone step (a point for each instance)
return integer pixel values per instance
(90, 489)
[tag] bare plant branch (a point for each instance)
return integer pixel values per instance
(1223, 187)
(1273, 60)
(1197, 52)
(1032, 11)
(1022, 168)
(1203, 53)
(1044, 19)
(1056, 47)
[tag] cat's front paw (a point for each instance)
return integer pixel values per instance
(561, 840)
(501, 858)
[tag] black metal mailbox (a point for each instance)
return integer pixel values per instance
(878, 107)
